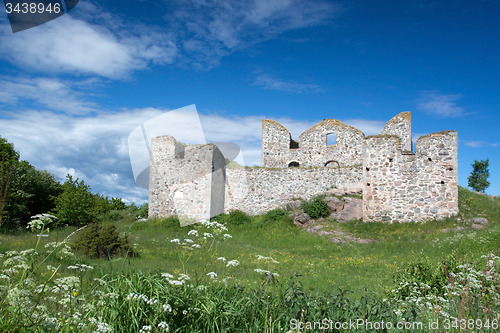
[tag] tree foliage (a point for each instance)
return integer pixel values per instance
(76, 205)
(30, 191)
(478, 179)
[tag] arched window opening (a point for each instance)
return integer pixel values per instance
(293, 164)
(332, 164)
(331, 139)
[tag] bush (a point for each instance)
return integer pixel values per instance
(102, 242)
(275, 214)
(235, 217)
(316, 207)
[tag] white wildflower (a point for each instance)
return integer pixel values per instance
(233, 263)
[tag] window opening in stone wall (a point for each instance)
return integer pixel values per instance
(442, 182)
(293, 164)
(332, 164)
(293, 144)
(390, 159)
(331, 139)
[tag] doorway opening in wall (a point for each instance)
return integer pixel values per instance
(293, 164)
(331, 139)
(332, 164)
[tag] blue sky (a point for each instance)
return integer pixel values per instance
(73, 89)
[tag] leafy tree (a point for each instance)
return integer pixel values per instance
(478, 179)
(9, 158)
(29, 190)
(76, 205)
(32, 192)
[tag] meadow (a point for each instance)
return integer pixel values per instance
(259, 274)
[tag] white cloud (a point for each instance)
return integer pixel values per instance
(69, 44)
(198, 33)
(440, 104)
(95, 148)
(268, 82)
(477, 144)
(51, 93)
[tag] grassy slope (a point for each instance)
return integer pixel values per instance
(324, 265)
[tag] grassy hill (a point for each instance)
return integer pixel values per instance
(267, 253)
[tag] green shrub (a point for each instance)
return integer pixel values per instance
(143, 211)
(275, 214)
(235, 217)
(102, 242)
(316, 207)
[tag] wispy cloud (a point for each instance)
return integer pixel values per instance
(478, 144)
(211, 29)
(268, 82)
(95, 148)
(197, 34)
(441, 105)
(91, 42)
(51, 93)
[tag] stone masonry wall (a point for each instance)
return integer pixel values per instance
(313, 149)
(257, 190)
(400, 126)
(402, 186)
(181, 180)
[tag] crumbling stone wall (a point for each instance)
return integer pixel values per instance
(398, 185)
(400, 126)
(312, 146)
(402, 186)
(258, 190)
(185, 181)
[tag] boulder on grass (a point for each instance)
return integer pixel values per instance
(301, 219)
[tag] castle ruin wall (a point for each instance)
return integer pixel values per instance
(402, 186)
(185, 181)
(258, 190)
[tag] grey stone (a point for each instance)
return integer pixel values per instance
(302, 218)
(334, 204)
(477, 226)
(337, 240)
(480, 220)
(293, 205)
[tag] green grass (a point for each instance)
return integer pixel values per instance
(324, 266)
(326, 269)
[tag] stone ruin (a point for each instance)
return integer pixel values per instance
(397, 183)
